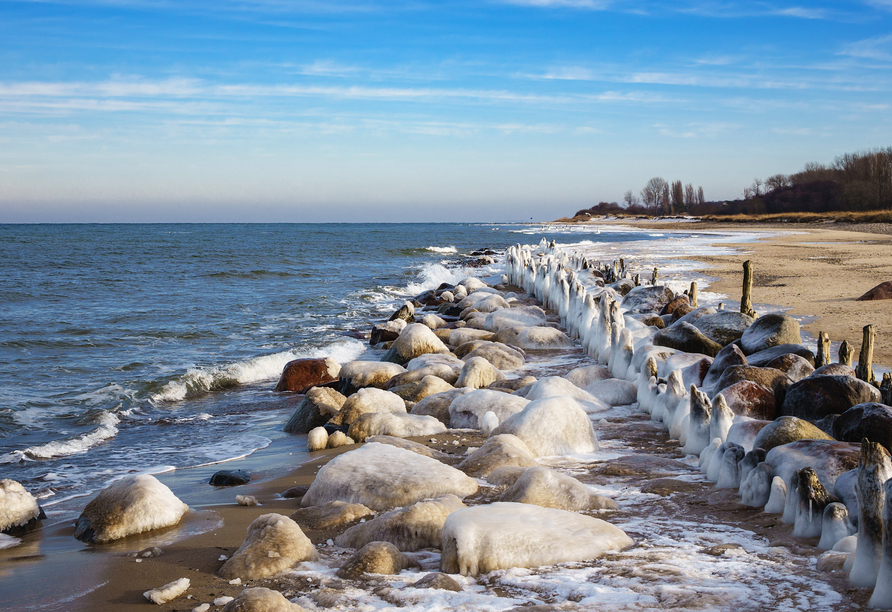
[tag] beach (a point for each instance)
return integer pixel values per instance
(813, 274)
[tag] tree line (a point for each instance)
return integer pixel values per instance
(852, 182)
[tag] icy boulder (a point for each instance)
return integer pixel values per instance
(506, 535)
(437, 405)
(330, 515)
(319, 405)
(397, 425)
(478, 373)
(412, 528)
(376, 558)
(499, 451)
(360, 374)
(552, 426)
(368, 400)
(549, 489)
(168, 592)
(415, 340)
(542, 338)
(583, 376)
(555, 386)
(521, 316)
(500, 355)
(274, 544)
(135, 504)
(466, 411)
(614, 391)
(18, 508)
(382, 477)
(260, 599)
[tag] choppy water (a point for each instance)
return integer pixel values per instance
(150, 348)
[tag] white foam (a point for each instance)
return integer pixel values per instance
(198, 381)
(433, 275)
(7, 541)
(449, 249)
(70, 446)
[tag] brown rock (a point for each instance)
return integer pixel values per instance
(301, 374)
(747, 398)
(883, 291)
(376, 558)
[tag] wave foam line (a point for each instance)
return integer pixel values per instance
(198, 381)
(449, 249)
(69, 446)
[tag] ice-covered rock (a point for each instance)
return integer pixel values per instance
(613, 391)
(338, 439)
(501, 450)
(416, 391)
(874, 469)
(685, 337)
(549, 489)
(520, 316)
(317, 439)
(437, 405)
(376, 558)
(828, 458)
(501, 356)
(18, 508)
(330, 515)
(260, 599)
(274, 543)
(478, 373)
(168, 592)
(542, 338)
(411, 528)
(132, 505)
(437, 580)
(319, 405)
(369, 400)
(506, 535)
(382, 477)
(460, 336)
(555, 386)
(397, 425)
(466, 411)
(584, 376)
(552, 426)
(745, 431)
(835, 525)
(882, 594)
(869, 420)
(786, 429)
(815, 397)
(415, 340)
(724, 326)
(360, 374)
(433, 321)
(770, 330)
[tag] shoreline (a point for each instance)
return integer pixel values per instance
(196, 556)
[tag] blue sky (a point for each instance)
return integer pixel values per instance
(356, 110)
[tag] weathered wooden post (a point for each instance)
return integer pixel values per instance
(822, 356)
(746, 301)
(637, 280)
(864, 371)
(692, 295)
(886, 389)
(653, 279)
(846, 353)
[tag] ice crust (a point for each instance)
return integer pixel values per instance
(382, 477)
(17, 506)
(273, 544)
(552, 426)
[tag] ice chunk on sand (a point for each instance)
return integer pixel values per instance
(259, 599)
(381, 477)
(506, 535)
(169, 591)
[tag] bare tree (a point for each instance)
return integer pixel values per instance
(652, 194)
(689, 198)
(701, 198)
(677, 195)
(757, 187)
(630, 199)
(776, 181)
(666, 201)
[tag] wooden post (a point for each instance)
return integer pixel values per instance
(746, 301)
(886, 389)
(637, 280)
(822, 357)
(846, 353)
(864, 371)
(692, 294)
(653, 279)
(622, 265)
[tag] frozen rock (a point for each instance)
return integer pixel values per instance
(501, 450)
(168, 592)
(319, 405)
(132, 505)
(376, 558)
(506, 475)
(317, 439)
(874, 469)
(542, 338)
(274, 543)
(301, 374)
(415, 447)
(260, 599)
(466, 411)
(18, 508)
(794, 366)
(412, 528)
(462, 335)
(520, 316)
(415, 340)
(749, 399)
(444, 365)
(835, 525)
(330, 515)
(614, 391)
(414, 392)
(787, 429)
(507, 535)
(386, 332)
(816, 397)
(828, 458)
(489, 422)
(728, 357)
(437, 405)
(478, 373)
(246, 500)
(745, 431)
(366, 401)
(501, 356)
(360, 374)
(437, 580)
(433, 321)
(552, 426)
(586, 375)
(555, 386)
(647, 299)
(549, 489)
(382, 477)
(768, 331)
(685, 337)
(397, 425)
(338, 439)
(763, 358)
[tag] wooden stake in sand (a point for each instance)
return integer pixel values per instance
(822, 357)
(746, 302)
(864, 371)
(637, 280)
(653, 279)
(693, 294)
(886, 389)
(846, 353)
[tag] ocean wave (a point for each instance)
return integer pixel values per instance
(199, 381)
(433, 275)
(69, 446)
(449, 249)
(229, 450)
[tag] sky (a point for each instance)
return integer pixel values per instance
(410, 110)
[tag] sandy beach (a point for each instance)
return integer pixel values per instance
(813, 272)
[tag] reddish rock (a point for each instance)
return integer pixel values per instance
(746, 398)
(883, 291)
(680, 301)
(301, 374)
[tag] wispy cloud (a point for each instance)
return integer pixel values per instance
(593, 5)
(878, 48)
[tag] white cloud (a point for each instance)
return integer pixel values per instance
(878, 48)
(594, 5)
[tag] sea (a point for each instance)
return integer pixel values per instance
(128, 349)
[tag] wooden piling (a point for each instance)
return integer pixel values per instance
(864, 371)
(637, 280)
(746, 301)
(692, 295)
(846, 353)
(653, 279)
(822, 356)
